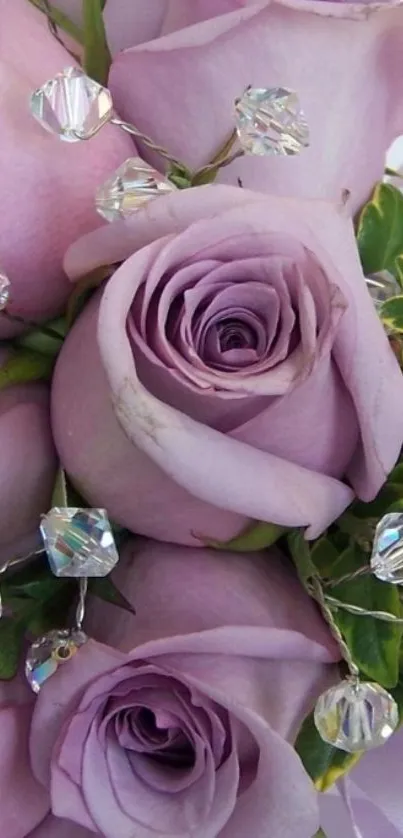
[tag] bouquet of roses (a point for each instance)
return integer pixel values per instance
(201, 419)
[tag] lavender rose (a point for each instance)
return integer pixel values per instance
(184, 727)
(341, 58)
(234, 369)
(23, 801)
(48, 185)
(27, 465)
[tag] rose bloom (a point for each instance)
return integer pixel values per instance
(233, 369)
(340, 58)
(47, 185)
(182, 725)
(368, 802)
(23, 801)
(27, 465)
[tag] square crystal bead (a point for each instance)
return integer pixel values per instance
(79, 542)
(72, 105)
(271, 121)
(134, 184)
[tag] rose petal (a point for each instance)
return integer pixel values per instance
(53, 827)
(287, 44)
(17, 784)
(27, 466)
(35, 233)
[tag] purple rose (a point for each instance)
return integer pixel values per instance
(47, 185)
(368, 802)
(340, 58)
(23, 801)
(182, 725)
(234, 369)
(27, 465)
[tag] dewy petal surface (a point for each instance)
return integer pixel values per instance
(342, 59)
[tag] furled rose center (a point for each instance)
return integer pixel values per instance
(156, 733)
(217, 324)
(162, 738)
(169, 737)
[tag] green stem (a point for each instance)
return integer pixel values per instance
(61, 20)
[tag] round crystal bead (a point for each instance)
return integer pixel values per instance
(49, 652)
(271, 121)
(356, 716)
(387, 550)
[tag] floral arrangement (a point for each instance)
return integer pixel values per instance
(201, 419)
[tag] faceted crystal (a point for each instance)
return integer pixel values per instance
(72, 105)
(387, 550)
(382, 286)
(133, 185)
(270, 121)
(79, 542)
(49, 652)
(4, 291)
(356, 716)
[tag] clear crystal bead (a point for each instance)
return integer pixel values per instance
(133, 185)
(387, 550)
(72, 105)
(382, 286)
(79, 542)
(356, 716)
(5, 286)
(271, 121)
(49, 652)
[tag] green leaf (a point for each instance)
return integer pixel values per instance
(11, 640)
(396, 475)
(60, 492)
(97, 56)
(320, 834)
(47, 339)
(392, 314)
(83, 290)
(390, 493)
(392, 172)
(324, 556)
(64, 494)
(380, 231)
(397, 693)
(181, 176)
(301, 555)
(61, 20)
(24, 365)
(374, 644)
(257, 536)
(37, 602)
(324, 763)
(206, 174)
(105, 589)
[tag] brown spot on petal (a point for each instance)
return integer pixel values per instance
(138, 411)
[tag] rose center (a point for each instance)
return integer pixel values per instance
(169, 744)
(234, 334)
